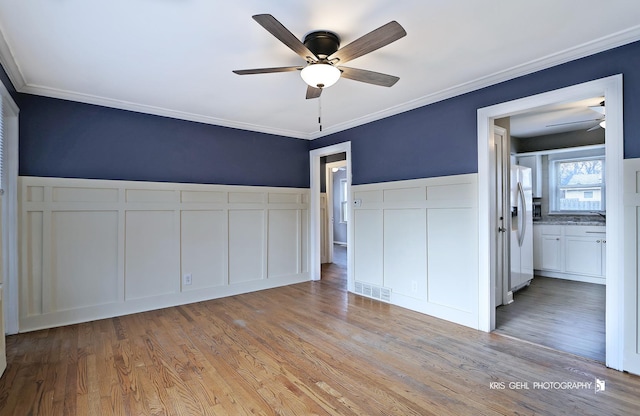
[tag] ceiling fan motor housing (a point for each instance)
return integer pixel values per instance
(322, 43)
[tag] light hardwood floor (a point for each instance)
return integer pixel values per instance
(562, 314)
(305, 349)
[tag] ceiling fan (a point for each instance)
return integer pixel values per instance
(324, 57)
(599, 122)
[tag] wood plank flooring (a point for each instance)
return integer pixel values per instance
(306, 349)
(561, 314)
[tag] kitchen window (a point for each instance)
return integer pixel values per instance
(577, 185)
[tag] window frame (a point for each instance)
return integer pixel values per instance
(554, 189)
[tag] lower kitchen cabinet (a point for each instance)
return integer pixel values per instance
(574, 252)
(551, 253)
(584, 255)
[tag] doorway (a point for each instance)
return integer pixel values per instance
(611, 89)
(9, 112)
(316, 210)
(556, 293)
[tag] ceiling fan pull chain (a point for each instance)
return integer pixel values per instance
(320, 112)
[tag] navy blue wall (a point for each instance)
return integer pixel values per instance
(61, 138)
(441, 139)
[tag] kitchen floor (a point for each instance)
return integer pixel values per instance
(560, 314)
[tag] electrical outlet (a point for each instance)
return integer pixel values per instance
(186, 279)
(414, 286)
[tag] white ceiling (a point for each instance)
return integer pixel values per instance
(559, 118)
(175, 57)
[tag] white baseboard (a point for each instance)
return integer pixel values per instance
(568, 276)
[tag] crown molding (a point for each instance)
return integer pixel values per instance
(9, 64)
(589, 48)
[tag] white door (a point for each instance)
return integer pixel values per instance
(3, 354)
(501, 246)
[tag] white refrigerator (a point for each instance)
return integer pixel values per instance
(521, 227)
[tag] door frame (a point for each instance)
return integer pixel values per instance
(611, 88)
(11, 293)
(314, 232)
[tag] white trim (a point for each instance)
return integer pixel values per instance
(10, 214)
(611, 89)
(9, 64)
(314, 232)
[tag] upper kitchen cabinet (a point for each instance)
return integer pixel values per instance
(535, 163)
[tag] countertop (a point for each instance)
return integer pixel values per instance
(568, 222)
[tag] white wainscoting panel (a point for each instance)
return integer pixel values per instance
(284, 244)
(419, 238)
(152, 255)
(204, 248)
(246, 245)
(368, 246)
(32, 262)
(93, 237)
(453, 258)
(405, 248)
(93, 249)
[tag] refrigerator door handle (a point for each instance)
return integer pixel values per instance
(522, 215)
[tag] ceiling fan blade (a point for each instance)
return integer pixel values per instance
(575, 122)
(313, 92)
(273, 26)
(267, 70)
(376, 39)
(369, 77)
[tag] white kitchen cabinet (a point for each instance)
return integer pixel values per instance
(583, 255)
(572, 252)
(585, 250)
(551, 253)
(550, 249)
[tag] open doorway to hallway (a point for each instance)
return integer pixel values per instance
(329, 165)
(334, 199)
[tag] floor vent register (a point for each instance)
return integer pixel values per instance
(372, 291)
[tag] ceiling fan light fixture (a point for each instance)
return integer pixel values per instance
(320, 75)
